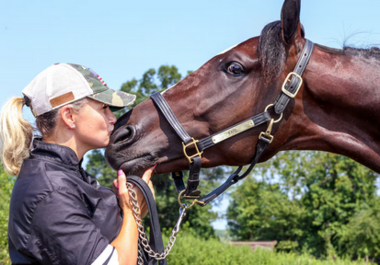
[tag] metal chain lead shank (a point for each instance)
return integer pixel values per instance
(143, 240)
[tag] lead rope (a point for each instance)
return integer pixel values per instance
(143, 240)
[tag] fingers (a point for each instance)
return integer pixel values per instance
(146, 177)
(150, 184)
(122, 181)
(115, 186)
(148, 174)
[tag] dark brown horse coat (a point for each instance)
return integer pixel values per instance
(336, 109)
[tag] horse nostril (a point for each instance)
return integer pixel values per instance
(125, 134)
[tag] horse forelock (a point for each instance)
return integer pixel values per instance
(271, 51)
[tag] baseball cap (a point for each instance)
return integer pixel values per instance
(63, 83)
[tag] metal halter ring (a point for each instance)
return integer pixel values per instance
(184, 205)
(279, 119)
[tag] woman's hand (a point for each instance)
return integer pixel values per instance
(126, 241)
(120, 188)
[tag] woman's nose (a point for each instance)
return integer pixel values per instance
(111, 117)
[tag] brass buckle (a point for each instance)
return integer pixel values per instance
(194, 142)
(183, 205)
(286, 92)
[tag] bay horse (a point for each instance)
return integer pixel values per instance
(337, 108)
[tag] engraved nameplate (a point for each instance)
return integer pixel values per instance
(233, 131)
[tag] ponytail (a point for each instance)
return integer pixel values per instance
(16, 135)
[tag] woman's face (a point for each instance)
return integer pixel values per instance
(94, 125)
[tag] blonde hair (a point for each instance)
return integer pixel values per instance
(16, 134)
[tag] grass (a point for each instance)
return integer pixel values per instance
(190, 249)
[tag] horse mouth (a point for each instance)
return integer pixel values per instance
(138, 165)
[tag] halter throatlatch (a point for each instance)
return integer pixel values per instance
(289, 90)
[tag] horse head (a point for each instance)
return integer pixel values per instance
(240, 83)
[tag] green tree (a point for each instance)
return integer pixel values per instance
(262, 211)
(166, 196)
(361, 236)
(6, 185)
(306, 198)
(336, 187)
(152, 81)
(98, 168)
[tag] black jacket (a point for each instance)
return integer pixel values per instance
(58, 213)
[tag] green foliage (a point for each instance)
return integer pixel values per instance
(99, 169)
(152, 81)
(6, 185)
(166, 195)
(199, 218)
(337, 187)
(191, 249)
(261, 211)
(168, 209)
(361, 236)
(307, 201)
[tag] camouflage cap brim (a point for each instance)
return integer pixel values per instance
(115, 98)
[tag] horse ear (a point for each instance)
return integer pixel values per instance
(290, 18)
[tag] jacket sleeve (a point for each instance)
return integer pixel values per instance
(109, 256)
(63, 232)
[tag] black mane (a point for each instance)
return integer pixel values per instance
(272, 54)
(372, 52)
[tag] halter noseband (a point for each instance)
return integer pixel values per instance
(289, 90)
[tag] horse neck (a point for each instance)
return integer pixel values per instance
(341, 106)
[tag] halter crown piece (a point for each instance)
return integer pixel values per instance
(289, 90)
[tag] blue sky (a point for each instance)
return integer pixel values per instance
(122, 39)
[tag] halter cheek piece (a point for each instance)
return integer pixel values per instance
(289, 90)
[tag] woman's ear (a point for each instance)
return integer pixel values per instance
(68, 117)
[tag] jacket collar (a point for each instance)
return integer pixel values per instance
(54, 152)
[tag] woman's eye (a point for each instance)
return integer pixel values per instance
(105, 106)
(235, 69)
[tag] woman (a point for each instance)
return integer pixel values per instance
(59, 214)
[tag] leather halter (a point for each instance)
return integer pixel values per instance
(289, 90)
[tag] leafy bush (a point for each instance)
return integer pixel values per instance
(310, 202)
(191, 249)
(361, 237)
(6, 185)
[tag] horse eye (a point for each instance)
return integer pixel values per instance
(235, 69)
